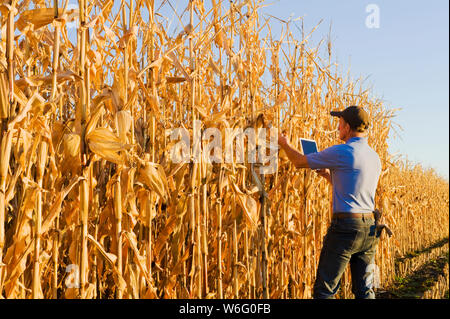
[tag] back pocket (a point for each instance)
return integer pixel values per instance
(343, 240)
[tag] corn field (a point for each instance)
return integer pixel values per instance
(91, 206)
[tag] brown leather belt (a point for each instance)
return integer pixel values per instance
(352, 215)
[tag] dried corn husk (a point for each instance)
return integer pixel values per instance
(104, 143)
(153, 176)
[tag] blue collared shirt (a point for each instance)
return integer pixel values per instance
(355, 169)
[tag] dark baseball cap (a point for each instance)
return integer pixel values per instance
(355, 116)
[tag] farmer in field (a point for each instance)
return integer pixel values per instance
(353, 169)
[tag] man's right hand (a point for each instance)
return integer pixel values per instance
(282, 140)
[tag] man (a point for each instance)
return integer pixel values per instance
(353, 169)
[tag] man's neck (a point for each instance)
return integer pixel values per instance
(354, 134)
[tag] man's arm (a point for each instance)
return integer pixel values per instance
(294, 156)
(325, 173)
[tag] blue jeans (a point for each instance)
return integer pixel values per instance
(351, 240)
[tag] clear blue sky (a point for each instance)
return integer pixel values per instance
(406, 59)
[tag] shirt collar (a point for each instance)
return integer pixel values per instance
(356, 139)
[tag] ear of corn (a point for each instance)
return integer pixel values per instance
(87, 188)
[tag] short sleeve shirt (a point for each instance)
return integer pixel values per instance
(355, 169)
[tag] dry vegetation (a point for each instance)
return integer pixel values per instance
(85, 177)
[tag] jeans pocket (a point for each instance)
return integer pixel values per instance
(373, 242)
(374, 232)
(343, 240)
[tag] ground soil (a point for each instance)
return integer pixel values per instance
(418, 282)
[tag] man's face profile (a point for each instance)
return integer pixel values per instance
(344, 128)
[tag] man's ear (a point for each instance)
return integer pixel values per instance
(347, 127)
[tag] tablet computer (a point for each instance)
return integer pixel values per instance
(308, 146)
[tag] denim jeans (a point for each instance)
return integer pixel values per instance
(351, 240)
